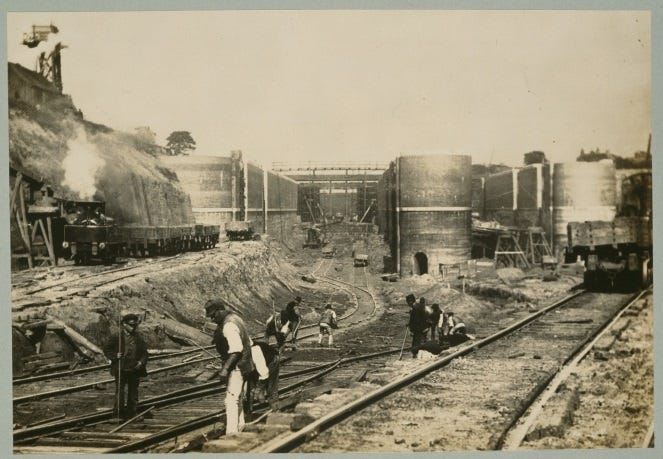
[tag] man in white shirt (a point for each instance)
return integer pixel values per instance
(234, 344)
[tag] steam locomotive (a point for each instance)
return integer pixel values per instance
(89, 236)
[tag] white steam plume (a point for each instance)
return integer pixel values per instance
(81, 166)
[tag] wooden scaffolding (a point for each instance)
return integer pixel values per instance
(508, 252)
(33, 219)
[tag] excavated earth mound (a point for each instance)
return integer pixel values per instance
(252, 278)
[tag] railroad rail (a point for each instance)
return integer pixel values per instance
(514, 438)
(494, 348)
(292, 441)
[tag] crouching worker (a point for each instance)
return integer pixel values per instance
(127, 352)
(233, 344)
(265, 379)
(280, 325)
(428, 350)
(454, 331)
(327, 322)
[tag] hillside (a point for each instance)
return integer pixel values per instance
(81, 160)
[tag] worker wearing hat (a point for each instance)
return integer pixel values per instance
(326, 323)
(233, 343)
(281, 324)
(418, 324)
(127, 352)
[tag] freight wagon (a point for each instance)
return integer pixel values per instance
(617, 255)
(91, 236)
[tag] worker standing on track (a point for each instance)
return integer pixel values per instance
(233, 343)
(327, 322)
(128, 355)
(418, 324)
(434, 321)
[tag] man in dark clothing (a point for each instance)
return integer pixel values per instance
(433, 320)
(233, 343)
(127, 352)
(410, 299)
(265, 385)
(418, 324)
(282, 324)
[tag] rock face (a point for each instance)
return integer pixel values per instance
(80, 160)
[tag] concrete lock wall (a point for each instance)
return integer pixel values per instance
(500, 198)
(282, 193)
(534, 198)
(255, 191)
(209, 182)
(381, 203)
(582, 191)
(434, 212)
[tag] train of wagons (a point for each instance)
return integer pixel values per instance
(90, 237)
(617, 254)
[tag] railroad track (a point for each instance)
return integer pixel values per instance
(192, 408)
(575, 328)
(26, 396)
(87, 282)
(492, 410)
(352, 385)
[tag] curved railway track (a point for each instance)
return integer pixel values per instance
(330, 391)
(26, 396)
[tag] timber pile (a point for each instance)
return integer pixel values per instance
(41, 363)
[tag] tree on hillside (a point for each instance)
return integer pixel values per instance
(179, 142)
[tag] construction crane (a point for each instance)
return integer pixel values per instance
(49, 66)
(39, 33)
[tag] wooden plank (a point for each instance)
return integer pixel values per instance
(57, 450)
(98, 442)
(126, 436)
(44, 356)
(19, 179)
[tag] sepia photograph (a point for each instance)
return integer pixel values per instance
(405, 228)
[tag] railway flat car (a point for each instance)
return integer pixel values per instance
(91, 236)
(239, 230)
(617, 255)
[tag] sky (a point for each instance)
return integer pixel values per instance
(361, 86)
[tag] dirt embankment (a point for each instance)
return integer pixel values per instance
(249, 276)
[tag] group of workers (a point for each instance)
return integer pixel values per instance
(250, 370)
(446, 329)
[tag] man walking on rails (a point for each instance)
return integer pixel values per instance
(127, 352)
(233, 343)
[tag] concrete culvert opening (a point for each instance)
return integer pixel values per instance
(420, 263)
